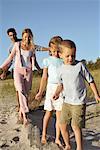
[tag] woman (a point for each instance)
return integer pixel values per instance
(24, 53)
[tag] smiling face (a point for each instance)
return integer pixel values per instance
(68, 55)
(12, 36)
(26, 38)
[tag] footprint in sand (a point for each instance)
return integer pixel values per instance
(3, 122)
(16, 139)
(17, 130)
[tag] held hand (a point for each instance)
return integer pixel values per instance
(38, 96)
(97, 99)
(55, 97)
(3, 76)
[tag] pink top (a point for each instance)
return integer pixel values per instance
(20, 58)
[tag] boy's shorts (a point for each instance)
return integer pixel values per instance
(49, 103)
(73, 113)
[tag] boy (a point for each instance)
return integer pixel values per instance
(71, 79)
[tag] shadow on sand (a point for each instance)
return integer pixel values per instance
(90, 137)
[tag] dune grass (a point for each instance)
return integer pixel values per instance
(7, 86)
(96, 75)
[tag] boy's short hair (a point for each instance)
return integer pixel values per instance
(11, 30)
(66, 43)
(55, 40)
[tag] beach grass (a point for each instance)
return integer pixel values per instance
(7, 86)
(96, 76)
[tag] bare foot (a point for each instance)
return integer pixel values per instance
(43, 140)
(59, 143)
(67, 147)
(20, 121)
(17, 108)
(26, 122)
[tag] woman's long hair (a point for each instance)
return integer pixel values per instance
(30, 43)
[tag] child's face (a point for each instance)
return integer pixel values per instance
(68, 55)
(53, 50)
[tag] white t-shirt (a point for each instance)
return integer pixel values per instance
(73, 79)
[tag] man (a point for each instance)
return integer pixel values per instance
(13, 37)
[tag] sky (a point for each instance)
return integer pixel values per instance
(77, 20)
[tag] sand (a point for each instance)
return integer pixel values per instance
(14, 136)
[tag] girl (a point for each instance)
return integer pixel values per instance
(51, 64)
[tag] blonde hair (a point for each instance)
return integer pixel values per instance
(28, 30)
(66, 43)
(55, 40)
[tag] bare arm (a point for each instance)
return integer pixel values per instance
(95, 91)
(40, 48)
(42, 84)
(45, 49)
(58, 91)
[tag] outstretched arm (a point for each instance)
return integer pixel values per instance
(8, 62)
(45, 48)
(95, 91)
(5, 65)
(42, 84)
(41, 48)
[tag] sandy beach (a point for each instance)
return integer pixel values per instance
(14, 136)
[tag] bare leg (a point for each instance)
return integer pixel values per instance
(78, 137)
(20, 117)
(23, 117)
(45, 124)
(65, 135)
(23, 107)
(57, 140)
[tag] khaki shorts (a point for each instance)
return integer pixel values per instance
(73, 113)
